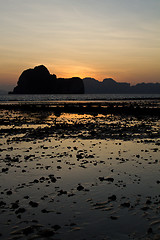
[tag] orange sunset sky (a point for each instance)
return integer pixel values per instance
(85, 38)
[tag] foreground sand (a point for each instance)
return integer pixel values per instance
(79, 176)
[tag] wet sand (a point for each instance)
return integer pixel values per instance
(88, 175)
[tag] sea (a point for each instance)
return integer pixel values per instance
(6, 98)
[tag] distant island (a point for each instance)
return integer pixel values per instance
(110, 86)
(39, 81)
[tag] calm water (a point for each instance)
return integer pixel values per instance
(75, 97)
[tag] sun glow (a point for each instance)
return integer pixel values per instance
(73, 71)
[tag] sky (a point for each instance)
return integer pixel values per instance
(85, 38)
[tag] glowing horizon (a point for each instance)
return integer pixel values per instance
(98, 39)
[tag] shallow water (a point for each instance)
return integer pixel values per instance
(75, 180)
(73, 97)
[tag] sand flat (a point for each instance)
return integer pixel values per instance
(79, 176)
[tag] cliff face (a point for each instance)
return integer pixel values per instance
(40, 81)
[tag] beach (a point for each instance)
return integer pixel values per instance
(77, 170)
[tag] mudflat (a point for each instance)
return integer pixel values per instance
(80, 171)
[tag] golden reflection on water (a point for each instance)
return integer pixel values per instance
(72, 118)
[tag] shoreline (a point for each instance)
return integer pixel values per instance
(125, 107)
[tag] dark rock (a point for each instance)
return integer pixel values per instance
(5, 169)
(72, 85)
(61, 192)
(26, 197)
(106, 179)
(15, 205)
(42, 179)
(71, 194)
(2, 203)
(101, 179)
(80, 188)
(109, 179)
(36, 181)
(46, 233)
(112, 198)
(40, 81)
(145, 208)
(33, 204)
(9, 192)
(80, 155)
(148, 201)
(52, 178)
(28, 230)
(56, 227)
(44, 211)
(126, 204)
(113, 217)
(20, 210)
(59, 167)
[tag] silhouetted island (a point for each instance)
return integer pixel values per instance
(40, 81)
(109, 85)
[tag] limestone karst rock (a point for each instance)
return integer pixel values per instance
(40, 81)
